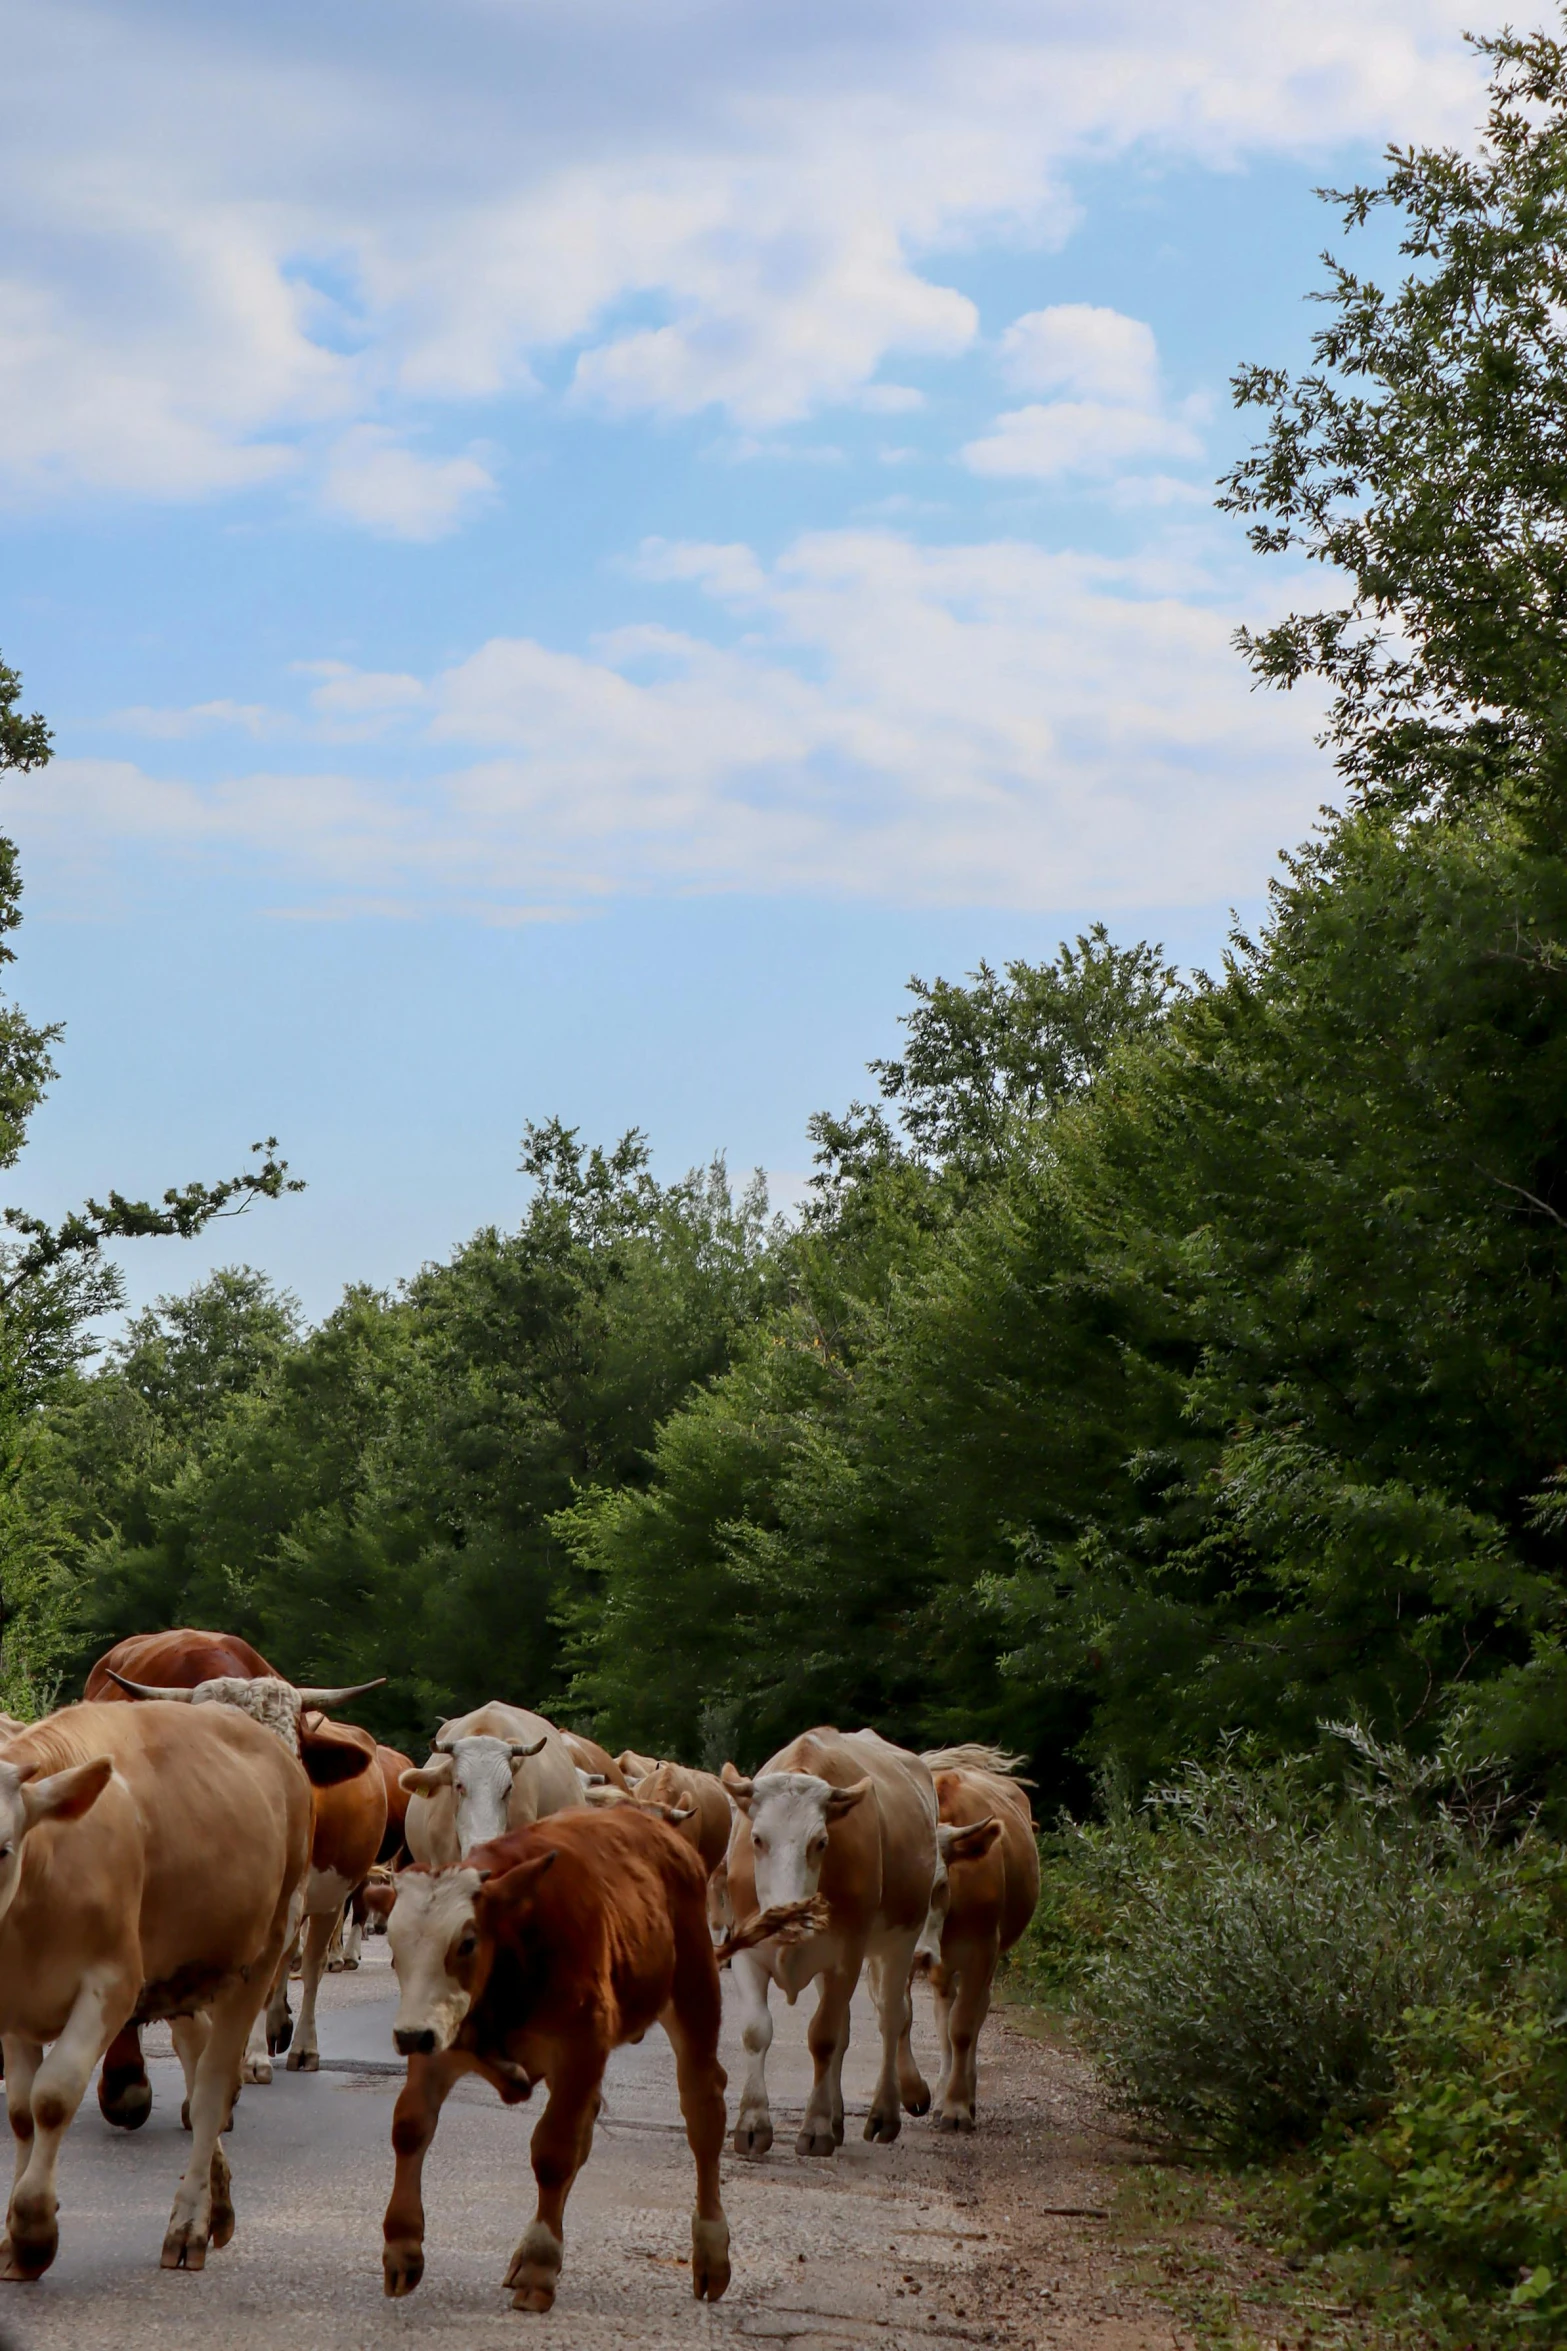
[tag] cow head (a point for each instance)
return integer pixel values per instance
(790, 1813)
(28, 1795)
(330, 1752)
(442, 1946)
(955, 1842)
(479, 1772)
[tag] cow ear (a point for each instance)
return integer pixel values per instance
(331, 1753)
(428, 1779)
(740, 1791)
(66, 1795)
(516, 1887)
(844, 1800)
(968, 1842)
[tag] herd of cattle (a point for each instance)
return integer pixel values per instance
(545, 1903)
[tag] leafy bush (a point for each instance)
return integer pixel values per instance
(1268, 1933)
(1465, 2170)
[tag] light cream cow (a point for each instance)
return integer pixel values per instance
(496, 1769)
(151, 1859)
(847, 1816)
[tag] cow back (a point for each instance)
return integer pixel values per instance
(176, 1660)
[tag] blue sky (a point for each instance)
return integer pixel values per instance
(570, 546)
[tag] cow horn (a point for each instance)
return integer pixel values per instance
(339, 1697)
(521, 1749)
(148, 1689)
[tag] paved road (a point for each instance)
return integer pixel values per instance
(873, 2246)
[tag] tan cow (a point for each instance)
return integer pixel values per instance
(347, 1825)
(634, 1767)
(986, 1891)
(710, 1822)
(846, 1815)
(151, 1859)
(595, 1761)
(496, 1769)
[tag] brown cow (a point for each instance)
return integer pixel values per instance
(710, 1822)
(348, 1823)
(393, 1854)
(551, 1947)
(595, 1762)
(150, 1864)
(178, 1659)
(986, 1891)
(848, 1815)
(634, 1767)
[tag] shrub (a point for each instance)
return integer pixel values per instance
(1268, 1934)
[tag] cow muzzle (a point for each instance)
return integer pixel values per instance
(413, 2040)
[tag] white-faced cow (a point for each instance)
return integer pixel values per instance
(847, 1816)
(496, 1769)
(986, 1891)
(550, 1948)
(151, 1860)
(347, 1825)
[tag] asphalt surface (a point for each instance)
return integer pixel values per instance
(825, 2252)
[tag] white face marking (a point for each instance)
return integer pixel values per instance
(482, 1774)
(274, 1704)
(428, 1931)
(788, 1835)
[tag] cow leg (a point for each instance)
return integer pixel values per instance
(429, 2084)
(280, 2021)
(353, 1933)
(692, 2020)
(942, 1983)
(58, 2087)
(189, 2035)
(22, 2060)
(970, 2007)
(203, 2214)
(124, 2092)
(827, 2037)
(888, 1986)
(890, 1990)
(752, 1983)
(305, 2055)
(560, 2148)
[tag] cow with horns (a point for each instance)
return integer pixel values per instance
(151, 1860)
(496, 1769)
(848, 1817)
(347, 1825)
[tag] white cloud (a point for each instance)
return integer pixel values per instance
(1111, 363)
(989, 724)
(1080, 348)
(230, 233)
(1077, 436)
(372, 479)
(251, 718)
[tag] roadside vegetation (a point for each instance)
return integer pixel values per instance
(1167, 1376)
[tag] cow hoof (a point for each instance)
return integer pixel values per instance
(125, 2100)
(535, 2268)
(26, 2253)
(304, 2061)
(753, 2138)
(883, 2127)
(919, 2103)
(402, 2266)
(954, 2119)
(278, 2041)
(257, 2070)
(709, 2259)
(185, 2247)
(816, 2140)
(837, 2130)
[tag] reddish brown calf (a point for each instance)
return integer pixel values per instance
(550, 1947)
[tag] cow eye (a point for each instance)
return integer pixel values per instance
(6, 1850)
(818, 1847)
(469, 1944)
(760, 1844)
